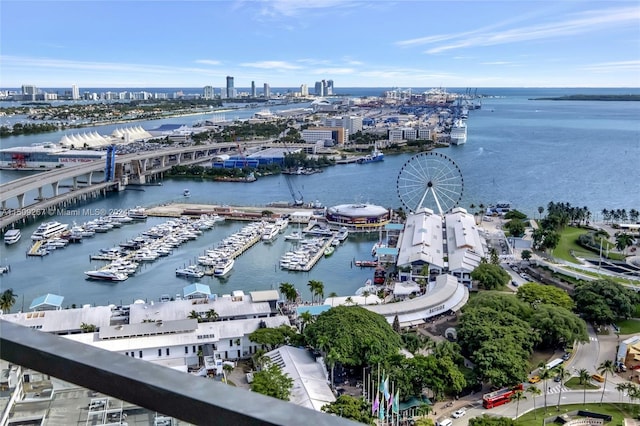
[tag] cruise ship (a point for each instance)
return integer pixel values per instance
(459, 132)
(48, 230)
(45, 156)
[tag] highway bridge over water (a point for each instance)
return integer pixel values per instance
(86, 181)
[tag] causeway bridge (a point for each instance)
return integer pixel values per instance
(86, 180)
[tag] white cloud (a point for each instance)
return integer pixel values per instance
(207, 61)
(584, 22)
(271, 65)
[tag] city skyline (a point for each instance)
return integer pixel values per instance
(284, 43)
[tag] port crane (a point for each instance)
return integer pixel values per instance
(297, 201)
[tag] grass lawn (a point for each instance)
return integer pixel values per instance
(630, 326)
(574, 383)
(617, 411)
(569, 242)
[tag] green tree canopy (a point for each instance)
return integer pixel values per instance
(272, 381)
(358, 336)
(275, 337)
(487, 420)
(558, 326)
(603, 301)
(490, 276)
(539, 294)
(357, 409)
(499, 302)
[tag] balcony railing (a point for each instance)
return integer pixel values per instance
(182, 396)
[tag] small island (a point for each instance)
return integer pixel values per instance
(590, 98)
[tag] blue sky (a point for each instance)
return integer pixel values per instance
(287, 43)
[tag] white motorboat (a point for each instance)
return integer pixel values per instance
(191, 271)
(270, 233)
(48, 230)
(12, 236)
(294, 236)
(106, 275)
(138, 213)
(186, 193)
(223, 267)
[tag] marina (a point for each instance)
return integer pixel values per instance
(485, 163)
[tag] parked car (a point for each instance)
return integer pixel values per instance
(461, 412)
(566, 356)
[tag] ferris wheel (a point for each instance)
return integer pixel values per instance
(430, 180)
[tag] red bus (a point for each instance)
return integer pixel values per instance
(499, 397)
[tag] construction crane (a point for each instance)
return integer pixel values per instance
(297, 201)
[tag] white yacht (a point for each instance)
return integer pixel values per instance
(270, 233)
(224, 267)
(191, 271)
(459, 132)
(186, 193)
(49, 230)
(106, 275)
(12, 236)
(138, 213)
(294, 236)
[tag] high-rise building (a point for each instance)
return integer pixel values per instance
(75, 92)
(208, 92)
(319, 88)
(230, 89)
(29, 92)
(253, 89)
(267, 91)
(304, 90)
(329, 88)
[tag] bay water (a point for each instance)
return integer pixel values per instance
(523, 151)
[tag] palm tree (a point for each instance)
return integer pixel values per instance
(540, 211)
(212, 315)
(305, 318)
(517, 396)
(348, 301)
(584, 377)
(621, 388)
(7, 300)
(194, 315)
(317, 289)
(226, 368)
(605, 368)
(534, 391)
(563, 374)
(366, 294)
(289, 292)
(333, 295)
(545, 374)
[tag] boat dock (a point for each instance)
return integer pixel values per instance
(311, 257)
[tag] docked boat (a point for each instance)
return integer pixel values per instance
(294, 236)
(374, 157)
(106, 275)
(49, 230)
(459, 132)
(191, 271)
(343, 234)
(138, 213)
(223, 267)
(329, 251)
(376, 246)
(12, 236)
(270, 233)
